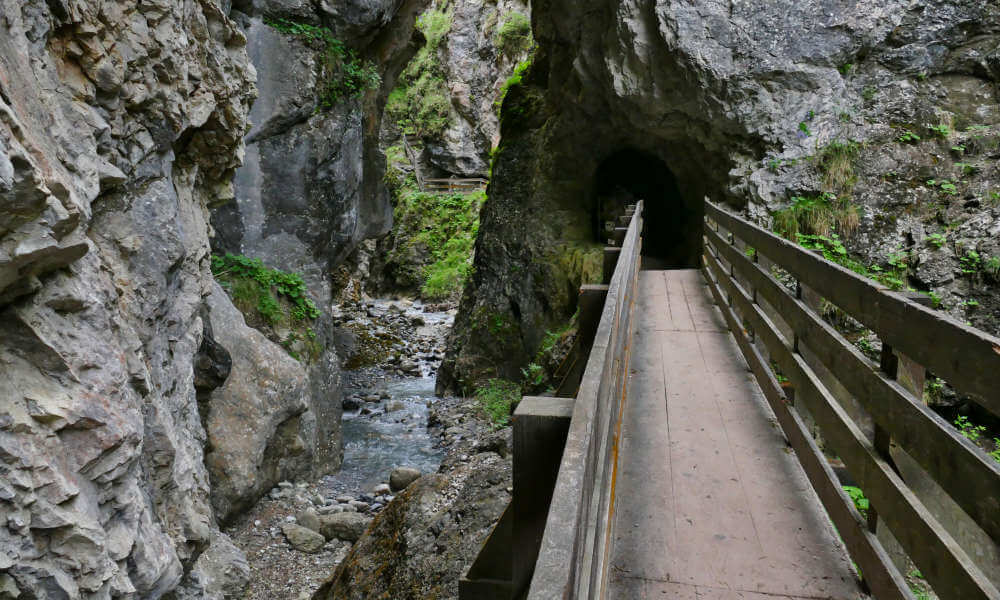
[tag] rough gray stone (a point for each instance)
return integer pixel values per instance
(308, 519)
(401, 477)
(346, 526)
(302, 538)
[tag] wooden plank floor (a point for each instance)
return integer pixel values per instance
(710, 503)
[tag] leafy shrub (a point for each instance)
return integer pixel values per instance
(858, 498)
(498, 397)
(344, 73)
(514, 36)
(268, 298)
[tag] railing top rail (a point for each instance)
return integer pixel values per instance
(967, 358)
(556, 568)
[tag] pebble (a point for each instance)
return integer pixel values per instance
(361, 506)
(289, 519)
(344, 499)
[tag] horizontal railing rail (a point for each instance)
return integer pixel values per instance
(454, 185)
(572, 561)
(777, 327)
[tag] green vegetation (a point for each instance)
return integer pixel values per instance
(970, 431)
(421, 103)
(344, 74)
(446, 225)
(833, 250)
(498, 397)
(836, 163)
(270, 298)
(845, 69)
(819, 215)
(907, 137)
(804, 128)
(942, 130)
(937, 240)
(514, 36)
(945, 184)
(514, 80)
(858, 498)
(970, 262)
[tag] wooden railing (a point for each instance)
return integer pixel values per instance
(933, 489)
(554, 534)
(573, 558)
(454, 185)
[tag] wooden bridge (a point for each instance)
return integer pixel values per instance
(717, 421)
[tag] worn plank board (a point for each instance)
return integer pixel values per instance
(969, 476)
(880, 574)
(943, 562)
(967, 358)
(708, 495)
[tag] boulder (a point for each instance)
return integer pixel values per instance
(302, 538)
(308, 519)
(346, 526)
(401, 477)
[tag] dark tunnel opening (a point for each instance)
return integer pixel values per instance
(672, 231)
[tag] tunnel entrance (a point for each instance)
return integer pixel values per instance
(672, 232)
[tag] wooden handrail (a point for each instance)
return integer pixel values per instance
(573, 561)
(766, 318)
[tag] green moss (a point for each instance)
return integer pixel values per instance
(344, 73)
(269, 299)
(512, 81)
(421, 103)
(514, 36)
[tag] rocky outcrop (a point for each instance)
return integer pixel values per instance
(423, 541)
(738, 103)
(311, 187)
(120, 123)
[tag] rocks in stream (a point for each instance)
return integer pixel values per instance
(402, 477)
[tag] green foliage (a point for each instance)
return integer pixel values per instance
(933, 389)
(344, 73)
(969, 430)
(819, 215)
(959, 149)
(534, 375)
(869, 93)
(421, 103)
(446, 225)
(833, 250)
(804, 128)
(514, 80)
(858, 498)
(945, 184)
(941, 130)
(970, 263)
(514, 36)
(966, 168)
(992, 266)
(995, 454)
(937, 240)
(845, 69)
(907, 137)
(270, 297)
(498, 397)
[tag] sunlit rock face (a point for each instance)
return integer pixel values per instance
(734, 101)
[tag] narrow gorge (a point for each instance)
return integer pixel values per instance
(274, 274)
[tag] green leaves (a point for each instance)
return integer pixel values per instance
(498, 397)
(345, 74)
(858, 498)
(271, 284)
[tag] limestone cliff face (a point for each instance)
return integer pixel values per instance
(120, 123)
(737, 102)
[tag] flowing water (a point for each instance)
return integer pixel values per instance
(395, 432)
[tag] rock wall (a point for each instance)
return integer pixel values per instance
(737, 103)
(120, 123)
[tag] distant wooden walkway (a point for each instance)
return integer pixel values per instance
(712, 504)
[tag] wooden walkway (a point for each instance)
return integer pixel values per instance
(711, 502)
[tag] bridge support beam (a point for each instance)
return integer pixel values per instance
(541, 425)
(505, 564)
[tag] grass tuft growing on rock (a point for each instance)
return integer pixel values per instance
(817, 215)
(498, 397)
(514, 36)
(273, 301)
